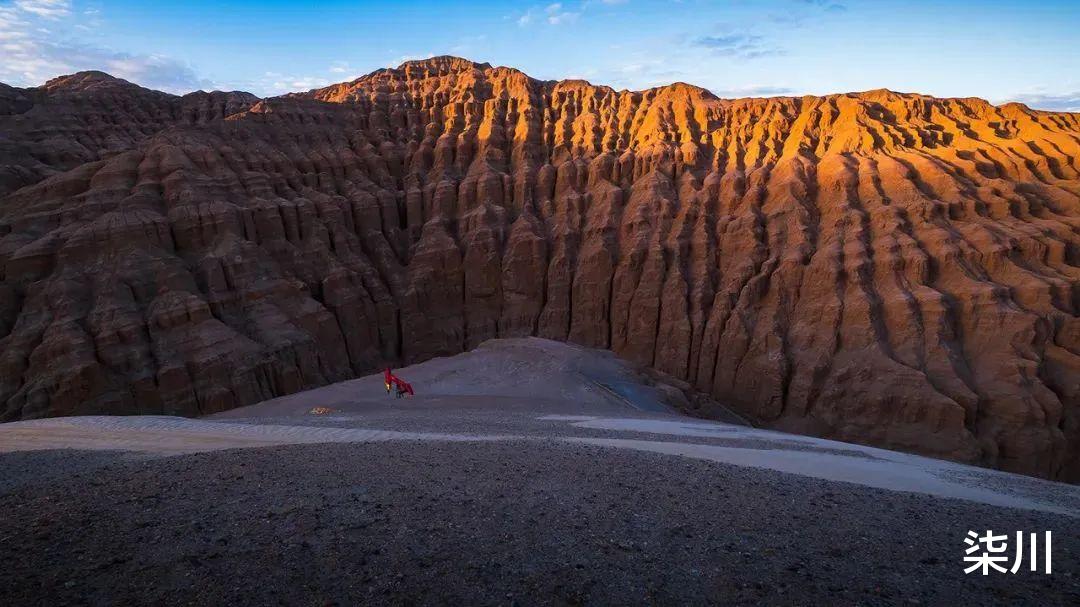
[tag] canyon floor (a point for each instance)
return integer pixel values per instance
(523, 472)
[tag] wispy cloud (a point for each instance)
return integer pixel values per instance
(49, 9)
(828, 5)
(755, 90)
(276, 83)
(399, 59)
(273, 83)
(646, 71)
(743, 46)
(341, 67)
(36, 47)
(555, 13)
(1061, 102)
(806, 12)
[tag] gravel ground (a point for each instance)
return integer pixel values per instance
(44, 468)
(488, 420)
(532, 522)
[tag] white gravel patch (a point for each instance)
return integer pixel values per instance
(828, 460)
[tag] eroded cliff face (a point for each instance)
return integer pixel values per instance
(882, 268)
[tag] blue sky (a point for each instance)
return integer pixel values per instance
(1002, 51)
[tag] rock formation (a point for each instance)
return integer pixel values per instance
(883, 268)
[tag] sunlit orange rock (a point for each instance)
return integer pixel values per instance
(884, 268)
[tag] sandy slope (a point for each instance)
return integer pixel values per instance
(532, 389)
(451, 486)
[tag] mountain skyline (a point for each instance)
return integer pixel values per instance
(1000, 51)
(91, 77)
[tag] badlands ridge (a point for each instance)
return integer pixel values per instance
(890, 269)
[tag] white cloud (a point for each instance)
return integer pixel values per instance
(341, 67)
(556, 15)
(755, 90)
(36, 45)
(275, 83)
(9, 18)
(739, 44)
(641, 73)
(552, 14)
(397, 61)
(49, 9)
(1043, 100)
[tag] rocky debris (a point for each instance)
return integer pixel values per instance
(884, 268)
(492, 524)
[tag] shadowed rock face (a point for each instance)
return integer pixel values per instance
(881, 268)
